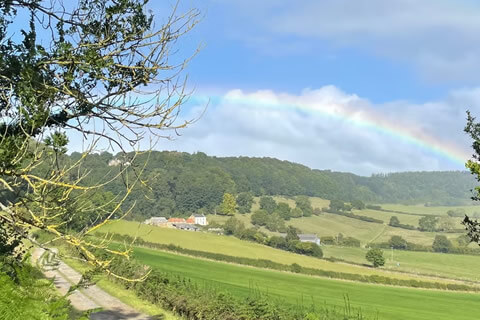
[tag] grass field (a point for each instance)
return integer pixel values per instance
(439, 264)
(390, 303)
(421, 209)
(235, 247)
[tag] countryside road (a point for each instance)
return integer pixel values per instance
(91, 298)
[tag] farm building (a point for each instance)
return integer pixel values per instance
(199, 219)
(309, 238)
(186, 226)
(156, 221)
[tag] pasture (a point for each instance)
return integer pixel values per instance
(453, 266)
(389, 302)
(235, 247)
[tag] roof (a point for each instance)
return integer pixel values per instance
(307, 236)
(185, 226)
(158, 219)
(176, 220)
(199, 216)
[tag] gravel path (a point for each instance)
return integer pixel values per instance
(91, 298)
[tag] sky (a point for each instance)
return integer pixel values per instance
(348, 85)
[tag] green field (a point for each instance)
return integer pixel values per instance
(390, 303)
(423, 210)
(438, 264)
(235, 247)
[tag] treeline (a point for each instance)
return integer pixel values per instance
(180, 183)
(296, 268)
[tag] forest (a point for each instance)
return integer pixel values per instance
(179, 183)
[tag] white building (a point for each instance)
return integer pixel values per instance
(200, 219)
(309, 238)
(156, 221)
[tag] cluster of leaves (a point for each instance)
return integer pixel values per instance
(24, 294)
(340, 208)
(375, 256)
(395, 222)
(341, 240)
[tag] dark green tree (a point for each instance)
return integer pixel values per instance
(296, 213)
(260, 218)
(375, 256)
(394, 221)
(441, 244)
(304, 204)
(428, 223)
(268, 204)
(244, 202)
(397, 242)
(291, 234)
(284, 210)
(337, 205)
(358, 204)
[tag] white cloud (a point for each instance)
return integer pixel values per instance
(337, 131)
(439, 37)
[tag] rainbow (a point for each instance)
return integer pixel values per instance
(370, 120)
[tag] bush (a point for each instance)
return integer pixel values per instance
(375, 256)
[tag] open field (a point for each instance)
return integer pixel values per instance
(235, 247)
(421, 209)
(445, 265)
(390, 303)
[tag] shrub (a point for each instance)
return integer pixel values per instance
(375, 256)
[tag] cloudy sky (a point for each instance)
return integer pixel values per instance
(349, 85)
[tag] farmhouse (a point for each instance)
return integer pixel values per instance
(156, 221)
(199, 219)
(309, 238)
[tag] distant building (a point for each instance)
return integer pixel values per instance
(186, 226)
(156, 221)
(199, 219)
(176, 220)
(191, 220)
(309, 238)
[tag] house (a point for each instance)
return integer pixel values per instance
(156, 221)
(173, 221)
(199, 219)
(186, 226)
(190, 220)
(309, 238)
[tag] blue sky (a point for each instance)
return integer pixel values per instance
(411, 65)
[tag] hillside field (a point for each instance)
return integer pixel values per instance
(235, 247)
(386, 302)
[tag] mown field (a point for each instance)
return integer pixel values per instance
(437, 264)
(389, 302)
(235, 247)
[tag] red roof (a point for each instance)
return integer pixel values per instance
(191, 220)
(176, 220)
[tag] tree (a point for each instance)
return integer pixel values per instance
(228, 205)
(337, 205)
(304, 204)
(232, 226)
(283, 210)
(268, 204)
(358, 204)
(244, 202)
(397, 242)
(296, 213)
(260, 218)
(101, 69)
(441, 244)
(394, 221)
(428, 223)
(472, 128)
(291, 234)
(375, 256)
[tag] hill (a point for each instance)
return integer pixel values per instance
(181, 183)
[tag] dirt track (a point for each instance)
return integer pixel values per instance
(90, 298)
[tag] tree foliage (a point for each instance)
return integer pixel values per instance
(441, 244)
(428, 223)
(99, 68)
(228, 205)
(375, 256)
